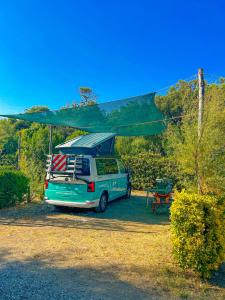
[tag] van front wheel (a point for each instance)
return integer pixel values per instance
(102, 203)
(128, 192)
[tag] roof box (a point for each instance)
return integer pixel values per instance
(96, 144)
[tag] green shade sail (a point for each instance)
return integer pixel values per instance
(135, 116)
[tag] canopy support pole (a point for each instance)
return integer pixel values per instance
(50, 140)
(19, 150)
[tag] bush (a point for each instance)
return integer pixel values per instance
(198, 232)
(146, 167)
(14, 187)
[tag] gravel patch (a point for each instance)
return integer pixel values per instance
(32, 281)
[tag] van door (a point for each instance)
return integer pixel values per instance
(122, 179)
(107, 174)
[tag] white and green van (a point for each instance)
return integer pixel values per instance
(86, 180)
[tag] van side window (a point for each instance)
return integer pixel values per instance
(122, 169)
(106, 166)
(82, 167)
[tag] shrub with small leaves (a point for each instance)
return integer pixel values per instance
(146, 167)
(198, 234)
(14, 187)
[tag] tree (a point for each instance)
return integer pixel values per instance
(136, 145)
(179, 100)
(36, 109)
(34, 150)
(75, 134)
(88, 97)
(204, 157)
(8, 142)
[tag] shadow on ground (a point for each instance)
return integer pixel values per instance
(121, 215)
(218, 277)
(35, 279)
(134, 210)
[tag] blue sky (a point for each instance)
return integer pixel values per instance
(119, 48)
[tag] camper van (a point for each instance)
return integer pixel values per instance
(84, 173)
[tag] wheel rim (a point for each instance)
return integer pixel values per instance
(103, 202)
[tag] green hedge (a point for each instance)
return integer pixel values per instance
(146, 167)
(198, 224)
(14, 187)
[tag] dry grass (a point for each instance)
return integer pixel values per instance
(124, 252)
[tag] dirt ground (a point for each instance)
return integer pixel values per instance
(124, 253)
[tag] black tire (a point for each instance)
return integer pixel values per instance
(128, 194)
(102, 203)
(59, 208)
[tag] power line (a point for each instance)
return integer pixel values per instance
(215, 75)
(185, 79)
(194, 76)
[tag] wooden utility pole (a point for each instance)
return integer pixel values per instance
(50, 140)
(201, 86)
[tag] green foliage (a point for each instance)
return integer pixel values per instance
(8, 143)
(203, 157)
(198, 232)
(128, 145)
(146, 167)
(133, 145)
(14, 187)
(180, 99)
(7, 134)
(36, 109)
(75, 134)
(88, 97)
(9, 160)
(34, 144)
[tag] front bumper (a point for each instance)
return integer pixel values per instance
(87, 204)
